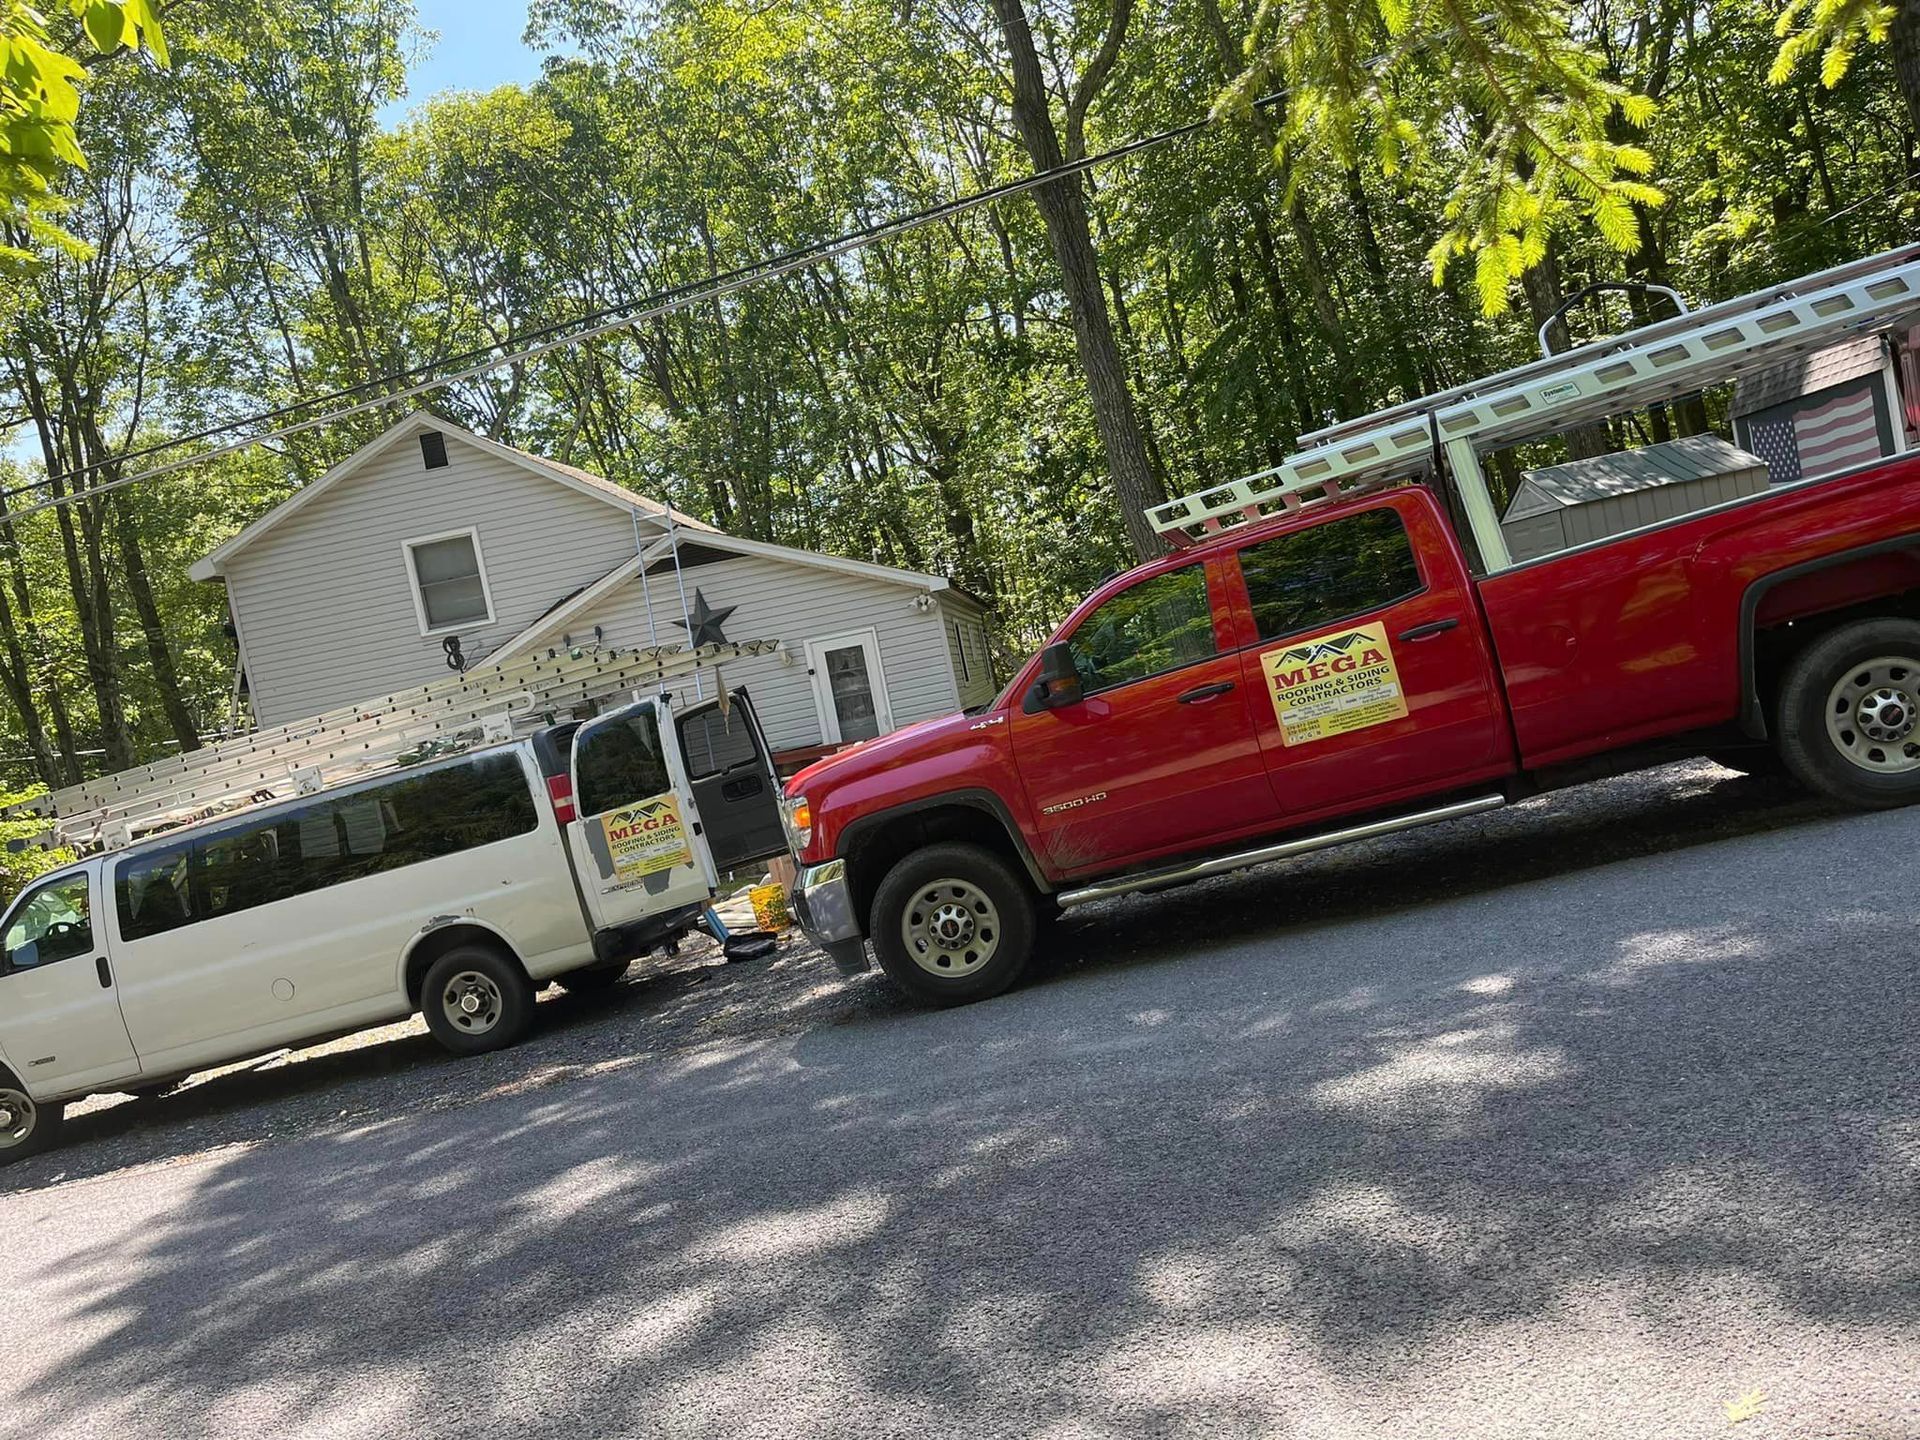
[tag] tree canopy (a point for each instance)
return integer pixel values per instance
(1396, 195)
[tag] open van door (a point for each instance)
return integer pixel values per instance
(636, 844)
(730, 767)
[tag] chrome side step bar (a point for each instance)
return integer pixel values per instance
(1220, 865)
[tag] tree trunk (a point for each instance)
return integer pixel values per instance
(17, 677)
(1063, 208)
(1390, 310)
(152, 628)
(1542, 287)
(1906, 58)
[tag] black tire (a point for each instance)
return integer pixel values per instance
(1857, 675)
(499, 991)
(29, 1126)
(594, 978)
(974, 915)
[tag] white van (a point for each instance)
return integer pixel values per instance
(453, 888)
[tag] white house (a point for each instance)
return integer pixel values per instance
(431, 542)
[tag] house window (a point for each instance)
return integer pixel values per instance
(449, 582)
(960, 649)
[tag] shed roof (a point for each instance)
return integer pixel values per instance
(1671, 462)
(1810, 374)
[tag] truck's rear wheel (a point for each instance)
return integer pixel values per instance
(1849, 718)
(475, 999)
(952, 923)
(27, 1125)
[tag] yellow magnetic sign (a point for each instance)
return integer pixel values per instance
(1328, 684)
(646, 837)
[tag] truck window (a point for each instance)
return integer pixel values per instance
(54, 923)
(1307, 578)
(1160, 624)
(620, 762)
(333, 839)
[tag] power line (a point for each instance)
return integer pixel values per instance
(564, 334)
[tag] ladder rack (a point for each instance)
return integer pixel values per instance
(488, 704)
(1604, 377)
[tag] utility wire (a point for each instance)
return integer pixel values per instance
(564, 334)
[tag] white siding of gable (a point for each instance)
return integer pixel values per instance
(966, 628)
(794, 603)
(325, 602)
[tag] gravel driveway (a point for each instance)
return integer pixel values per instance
(1584, 1118)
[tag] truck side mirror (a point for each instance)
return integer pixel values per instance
(1058, 683)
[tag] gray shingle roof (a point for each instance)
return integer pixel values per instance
(1672, 462)
(1808, 374)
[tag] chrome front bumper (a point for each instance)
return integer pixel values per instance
(823, 904)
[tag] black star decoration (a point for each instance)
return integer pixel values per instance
(704, 628)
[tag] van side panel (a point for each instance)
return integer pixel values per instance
(333, 959)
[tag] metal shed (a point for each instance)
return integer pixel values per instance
(1559, 506)
(1822, 413)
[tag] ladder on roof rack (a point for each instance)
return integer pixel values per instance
(1672, 357)
(488, 704)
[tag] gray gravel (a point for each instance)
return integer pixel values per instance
(1580, 1119)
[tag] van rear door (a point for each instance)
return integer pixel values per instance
(735, 789)
(636, 844)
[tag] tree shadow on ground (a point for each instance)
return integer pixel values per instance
(1387, 1158)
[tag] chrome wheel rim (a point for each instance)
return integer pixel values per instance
(18, 1116)
(1873, 715)
(471, 1002)
(950, 928)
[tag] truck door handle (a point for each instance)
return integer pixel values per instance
(1205, 692)
(1430, 629)
(106, 975)
(740, 789)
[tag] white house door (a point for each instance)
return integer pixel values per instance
(849, 687)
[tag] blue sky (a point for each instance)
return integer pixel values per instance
(479, 47)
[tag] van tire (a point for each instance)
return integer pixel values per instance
(954, 908)
(1833, 693)
(593, 978)
(45, 1119)
(476, 999)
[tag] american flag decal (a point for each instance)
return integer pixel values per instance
(1823, 437)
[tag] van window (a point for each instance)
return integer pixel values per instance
(151, 889)
(334, 839)
(1325, 572)
(619, 761)
(53, 923)
(713, 742)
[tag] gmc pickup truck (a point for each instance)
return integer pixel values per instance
(1375, 655)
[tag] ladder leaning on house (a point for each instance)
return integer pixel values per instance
(486, 705)
(1604, 377)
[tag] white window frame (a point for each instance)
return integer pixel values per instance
(960, 649)
(472, 534)
(869, 640)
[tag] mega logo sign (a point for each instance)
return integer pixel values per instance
(1329, 684)
(646, 837)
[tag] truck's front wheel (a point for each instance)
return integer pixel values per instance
(953, 923)
(1850, 714)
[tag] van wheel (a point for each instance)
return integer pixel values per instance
(1850, 714)
(476, 999)
(953, 923)
(27, 1125)
(593, 978)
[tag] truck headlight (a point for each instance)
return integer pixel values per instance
(798, 817)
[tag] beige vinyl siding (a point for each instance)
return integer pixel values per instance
(973, 669)
(795, 603)
(326, 603)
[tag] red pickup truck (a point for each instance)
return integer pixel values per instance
(1350, 667)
